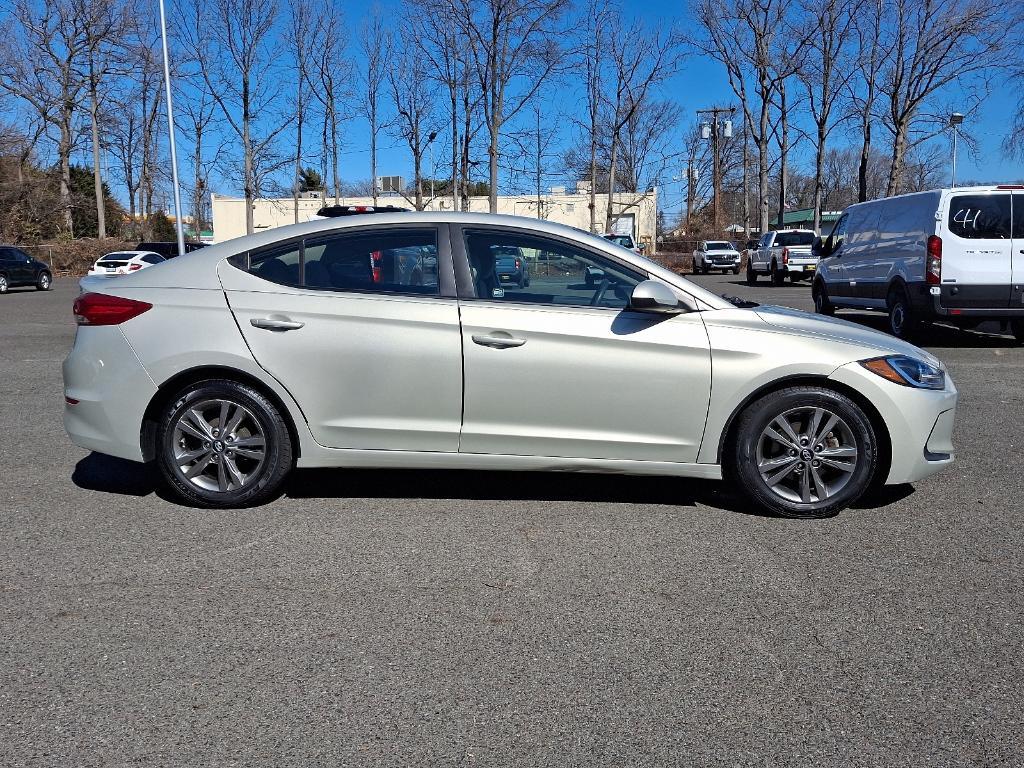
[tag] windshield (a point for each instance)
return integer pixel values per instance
(721, 247)
(789, 239)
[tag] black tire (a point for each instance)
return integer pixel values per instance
(1017, 326)
(736, 269)
(751, 274)
(795, 277)
(522, 282)
(903, 321)
(778, 276)
(746, 450)
(694, 269)
(44, 281)
(704, 268)
(262, 416)
(4, 285)
(527, 281)
(822, 304)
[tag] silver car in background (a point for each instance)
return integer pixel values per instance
(315, 345)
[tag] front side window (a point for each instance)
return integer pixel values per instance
(839, 231)
(382, 261)
(980, 217)
(560, 273)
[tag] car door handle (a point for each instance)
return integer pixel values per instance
(497, 340)
(276, 323)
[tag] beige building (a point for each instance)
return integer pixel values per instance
(636, 213)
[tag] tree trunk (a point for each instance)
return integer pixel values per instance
(762, 163)
(746, 181)
(299, 114)
(819, 172)
(612, 158)
(64, 151)
(784, 156)
(97, 177)
(899, 150)
(197, 186)
(492, 155)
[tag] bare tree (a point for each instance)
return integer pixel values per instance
(375, 44)
(640, 59)
(594, 38)
(330, 90)
(871, 56)
(510, 41)
(233, 58)
(414, 100)
(936, 43)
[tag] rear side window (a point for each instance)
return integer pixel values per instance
(395, 261)
(791, 239)
(152, 258)
(980, 217)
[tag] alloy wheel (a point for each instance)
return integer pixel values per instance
(807, 454)
(218, 445)
(3, 284)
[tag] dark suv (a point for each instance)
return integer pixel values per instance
(18, 268)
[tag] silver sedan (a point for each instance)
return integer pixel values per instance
(328, 344)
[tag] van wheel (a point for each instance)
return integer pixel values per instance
(778, 276)
(751, 274)
(822, 304)
(903, 323)
(1017, 326)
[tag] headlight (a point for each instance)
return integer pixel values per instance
(907, 371)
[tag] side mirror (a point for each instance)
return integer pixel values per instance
(652, 296)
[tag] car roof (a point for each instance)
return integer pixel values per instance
(185, 271)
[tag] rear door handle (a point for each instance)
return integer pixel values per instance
(497, 340)
(276, 323)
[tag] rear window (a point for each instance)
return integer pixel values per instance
(721, 247)
(116, 257)
(790, 239)
(980, 217)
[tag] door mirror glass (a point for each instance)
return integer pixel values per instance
(652, 296)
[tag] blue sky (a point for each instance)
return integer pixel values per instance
(701, 83)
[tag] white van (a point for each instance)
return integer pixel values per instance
(950, 254)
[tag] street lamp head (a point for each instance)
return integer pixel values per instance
(956, 118)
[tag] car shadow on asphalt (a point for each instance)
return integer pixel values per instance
(478, 485)
(97, 472)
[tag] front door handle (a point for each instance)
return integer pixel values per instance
(497, 340)
(276, 323)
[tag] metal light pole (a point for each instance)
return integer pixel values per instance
(179, 224)
(955, 119)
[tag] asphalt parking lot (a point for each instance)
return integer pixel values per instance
(411, 618)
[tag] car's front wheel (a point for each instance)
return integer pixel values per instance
(223, 444)
(804, 452)
(4, 285)
(43, 282)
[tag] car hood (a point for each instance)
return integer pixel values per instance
(805, 323)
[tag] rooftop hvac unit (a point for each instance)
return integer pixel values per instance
(390, 184)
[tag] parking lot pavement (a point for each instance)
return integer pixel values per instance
(410, 618)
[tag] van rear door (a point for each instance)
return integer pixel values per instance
(977, 251)
(1017, 255)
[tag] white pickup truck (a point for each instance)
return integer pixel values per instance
(716, 254)
(781, 253)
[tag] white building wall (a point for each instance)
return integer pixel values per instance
(638, 212)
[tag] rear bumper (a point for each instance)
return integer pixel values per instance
(111, 389)
(939, 297)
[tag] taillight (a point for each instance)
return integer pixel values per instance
(100, 309)
(133, 267)
(375, 259)
(785, 256)
(933, 264)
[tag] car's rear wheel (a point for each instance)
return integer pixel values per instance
(822, 304)
(3, 284)
(223, 444)
(778, 276)
(751, 274)
(805, 452)
(43, 283)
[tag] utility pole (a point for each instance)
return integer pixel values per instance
(691, 182)
(711, 130)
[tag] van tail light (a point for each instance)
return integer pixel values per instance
(933, 264)
(133, 267)
(375, 260)
(100, 309)
(785, 256)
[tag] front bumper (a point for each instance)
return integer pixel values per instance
(111, 391)
(919, 422)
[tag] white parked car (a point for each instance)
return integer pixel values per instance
(955, 255)
(308, 346)
(716, 254)
(781, 254)
(124, 262)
